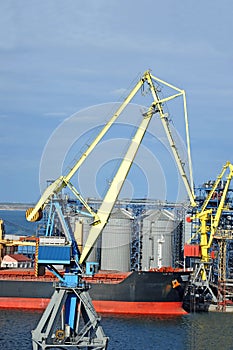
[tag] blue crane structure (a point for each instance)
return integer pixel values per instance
(70, 320)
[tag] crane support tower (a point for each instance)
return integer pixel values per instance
(203, 289)
(70, 321)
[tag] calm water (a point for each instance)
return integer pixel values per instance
(16, 223)
(191, 332)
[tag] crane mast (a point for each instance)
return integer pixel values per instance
(116, 185)
(210, 218)
(158, 103)
(207, 222)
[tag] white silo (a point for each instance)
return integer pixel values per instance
(116, 238)
(158, 228)
(81, 228)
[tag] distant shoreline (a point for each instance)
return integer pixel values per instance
(15, 206)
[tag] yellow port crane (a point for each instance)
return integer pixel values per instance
(208, 217)
(202, 289)
(72, 282)
(101, 217)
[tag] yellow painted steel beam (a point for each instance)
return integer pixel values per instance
(214, 187)
(61, 182)
(182, 92)
(188, 147)
(166, 83)
(82, 200)
(116, 185)
(217, 216)
(100, 219)
(208, 232)
(106, 128)
(204, 229)
(9, 242)
(33, 214)
(189, 188)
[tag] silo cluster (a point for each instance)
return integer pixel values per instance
(158, 244)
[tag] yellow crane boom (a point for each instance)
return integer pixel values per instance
(102, 215)
(187, 183)
(209, 219)
(116, 185)
(34, 214)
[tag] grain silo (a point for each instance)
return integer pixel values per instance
(116, 238)
(158, 228)
(81, 226)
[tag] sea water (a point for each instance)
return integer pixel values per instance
(16, 224)
(189, 332)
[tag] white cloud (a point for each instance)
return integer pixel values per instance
(55, 114)
(119, 92)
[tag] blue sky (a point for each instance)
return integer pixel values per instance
(60, 57)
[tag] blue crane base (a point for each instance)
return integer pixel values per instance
(69, 322)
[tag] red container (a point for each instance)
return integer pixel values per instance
(192, 250)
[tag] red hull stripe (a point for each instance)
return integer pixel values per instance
(102, 306)
(23, 303)
(140, 308)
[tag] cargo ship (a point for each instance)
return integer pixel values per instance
(157, 292)
(149, 291)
